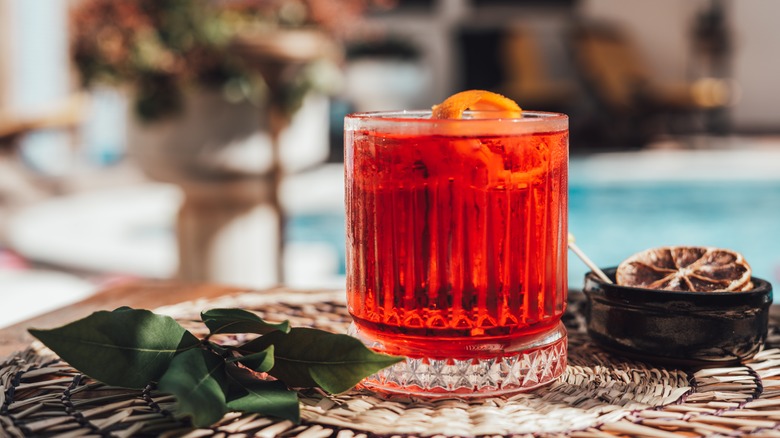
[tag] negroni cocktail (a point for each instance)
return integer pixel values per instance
(456, 248)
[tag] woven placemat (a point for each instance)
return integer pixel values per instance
(600, 395)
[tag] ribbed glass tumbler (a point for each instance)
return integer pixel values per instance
(456, 248)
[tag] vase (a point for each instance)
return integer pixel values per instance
(221, 155)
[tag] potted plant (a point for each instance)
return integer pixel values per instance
(225, 96)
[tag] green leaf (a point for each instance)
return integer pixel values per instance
(308, 357)
(239, 321)
(248, 394)
(261, 362)
(197, 379)
(126, 347)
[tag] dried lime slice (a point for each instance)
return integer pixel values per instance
(686, 268)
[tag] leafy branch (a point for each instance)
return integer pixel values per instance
(132, 348)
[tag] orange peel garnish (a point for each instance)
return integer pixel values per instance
(478, 100)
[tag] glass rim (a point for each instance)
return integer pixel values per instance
(420, 122)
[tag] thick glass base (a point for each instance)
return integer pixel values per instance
(530, 366)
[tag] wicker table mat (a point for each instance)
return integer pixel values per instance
(600, 395)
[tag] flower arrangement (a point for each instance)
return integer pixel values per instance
(161, 47)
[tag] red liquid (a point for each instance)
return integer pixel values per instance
(456, 245)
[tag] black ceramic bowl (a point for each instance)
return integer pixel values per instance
(688, 329)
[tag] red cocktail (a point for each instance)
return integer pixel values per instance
(456, 247)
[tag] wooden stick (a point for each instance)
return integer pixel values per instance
(587, 260)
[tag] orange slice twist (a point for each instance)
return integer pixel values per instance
(479, 100)
(494, 106)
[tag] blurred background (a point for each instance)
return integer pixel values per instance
(202, 139)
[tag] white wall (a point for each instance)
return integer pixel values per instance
(5, 48)
(659, 28)
(38, 75)
(757, 63)
(39, 56)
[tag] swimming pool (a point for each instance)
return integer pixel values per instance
(613, 222)
(623, 203)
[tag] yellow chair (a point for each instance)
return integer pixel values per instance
(528, 80)
(626, 91)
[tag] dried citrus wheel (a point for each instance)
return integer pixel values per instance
(686, 268)
(478, 100)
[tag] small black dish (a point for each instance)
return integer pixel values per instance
(685, 329)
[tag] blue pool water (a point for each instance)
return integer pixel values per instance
(612, 220)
